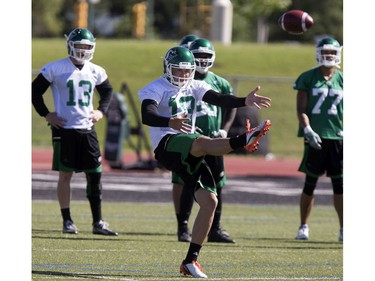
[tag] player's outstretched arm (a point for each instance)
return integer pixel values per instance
(230, 101)
(253, 99)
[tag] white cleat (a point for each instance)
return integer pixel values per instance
(303, 232)
(194, 269)
(253, 135)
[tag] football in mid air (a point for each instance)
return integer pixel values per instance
(296, 22)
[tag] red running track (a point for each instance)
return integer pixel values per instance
(235, 165)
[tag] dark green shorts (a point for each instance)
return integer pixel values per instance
(173, 153)
(216, 164)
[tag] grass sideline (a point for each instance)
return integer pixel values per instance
(147, 247)
(139, 62)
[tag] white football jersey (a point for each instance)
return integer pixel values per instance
(173, 101)
(73, 90)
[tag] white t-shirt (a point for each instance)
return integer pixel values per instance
(73, 90)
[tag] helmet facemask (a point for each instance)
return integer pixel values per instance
(78, 38)
(204, 61)
(179, 66)
(328, 53)
(180, 75)
(79, 54)
(204, 54)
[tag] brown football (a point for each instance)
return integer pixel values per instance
(296, 22)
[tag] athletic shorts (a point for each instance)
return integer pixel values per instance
(76, 150)
(216, 164)
(328, 160)
(173, 153)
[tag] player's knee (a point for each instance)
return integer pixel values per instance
(310, 184)
(212, 204)
(200, 146)
(65, 177)
(206, 200)
(94, 186)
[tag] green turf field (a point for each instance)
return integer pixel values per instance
(139, 62)
(147, 247)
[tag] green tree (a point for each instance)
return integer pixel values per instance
(328, 17)
(253, 20)
(328, 20)
(46, 19)
(256, 13)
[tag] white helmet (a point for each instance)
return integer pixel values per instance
(328, 59)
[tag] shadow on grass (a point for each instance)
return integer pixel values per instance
(76, 275)
(289, 244)
(88, 236)
(292, 240)
(50, 232)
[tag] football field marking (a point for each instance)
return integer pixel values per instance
(179, 278)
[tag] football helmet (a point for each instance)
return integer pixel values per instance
(204, 54)
(187, 39)
(80, 36)
(332, 58)
(179, 66)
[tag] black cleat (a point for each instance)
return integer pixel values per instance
(183, 234)
(219, 235)
(69, 227)
(101, 227)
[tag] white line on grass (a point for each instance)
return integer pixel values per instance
(106, 277)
